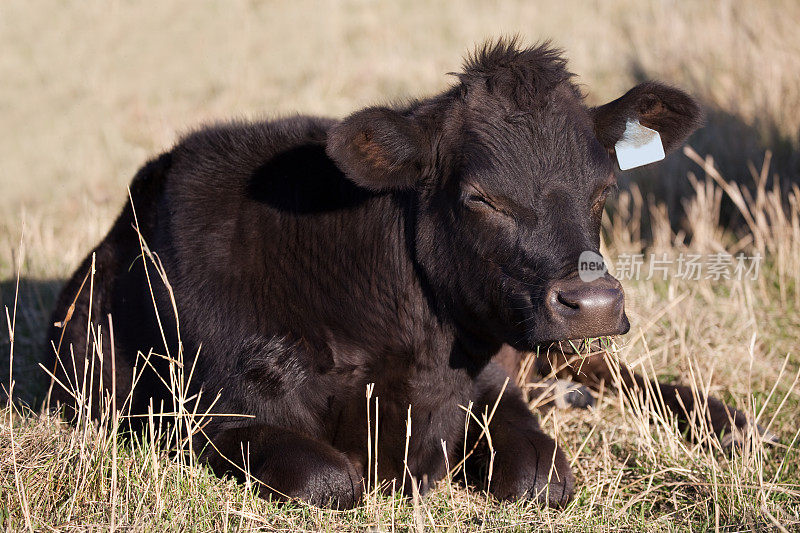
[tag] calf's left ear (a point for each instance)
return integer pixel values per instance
(671, 112)
(379, 149)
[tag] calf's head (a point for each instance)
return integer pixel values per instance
(507, 174)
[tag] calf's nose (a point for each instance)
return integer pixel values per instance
(588, 309)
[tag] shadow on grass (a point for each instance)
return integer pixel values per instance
(33, 307)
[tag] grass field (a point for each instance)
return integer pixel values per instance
(91, 89)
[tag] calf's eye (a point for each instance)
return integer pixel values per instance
(477, 200)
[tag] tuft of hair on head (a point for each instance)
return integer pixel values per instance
(525, 75)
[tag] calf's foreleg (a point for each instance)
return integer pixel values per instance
(597, 368)
(527, 463)
(286, 465)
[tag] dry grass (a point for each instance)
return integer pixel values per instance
(91, 89)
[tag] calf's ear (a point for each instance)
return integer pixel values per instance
(379, 149)
(670, 111)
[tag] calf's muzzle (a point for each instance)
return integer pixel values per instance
(580, 309)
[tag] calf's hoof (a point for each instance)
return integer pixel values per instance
(562, 393)
(738, 436)
(569, 394)
(735, 428)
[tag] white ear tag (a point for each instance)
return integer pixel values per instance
(639, 146)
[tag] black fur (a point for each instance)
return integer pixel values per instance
(400, 247)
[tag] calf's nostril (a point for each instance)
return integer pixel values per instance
(571, 303)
